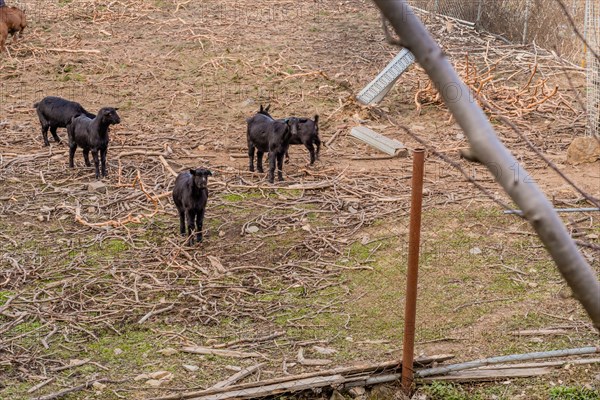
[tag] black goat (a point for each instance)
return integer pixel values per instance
(56, 112)
(266, 134)
(190, 195)
(92, 134)
(308, 135)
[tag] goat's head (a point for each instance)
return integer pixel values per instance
(200, 177)
(109, 115)
(292, 123)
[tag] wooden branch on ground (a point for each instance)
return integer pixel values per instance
(74, 365)
(155, 312)
(237, 377)
(87, 51)
(333, 137)
(309, 361)
(272, 336)
(40, 385)
(219, 352)
(296, 186)
(167, 166)
(64, 392)
(539, 332)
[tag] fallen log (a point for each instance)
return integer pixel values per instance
(391, 366)
(275, 389)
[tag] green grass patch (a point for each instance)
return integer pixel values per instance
(4, 296)
(573, 393)
(447, 391)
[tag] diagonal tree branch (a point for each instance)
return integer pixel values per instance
(489, 150)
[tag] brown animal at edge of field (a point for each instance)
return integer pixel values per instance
(14, 20)
(3, 35)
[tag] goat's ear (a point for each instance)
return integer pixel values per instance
(268, 107)
(261, 108)
(192, 171)
(116, 108)
(210, 172)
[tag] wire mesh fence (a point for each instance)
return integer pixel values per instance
(541, 22)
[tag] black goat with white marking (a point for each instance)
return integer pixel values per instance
(307, 134)
(266, 134)
(56, 112)
(92, 134)
(190, 195)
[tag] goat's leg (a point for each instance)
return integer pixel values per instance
(54, 134)
(86, 157)
(311, 150)
(96, 163)
(182, 223)
(72, 148)
(259, 159)
(103, 161)
(272, 157)
(199, 223)
(280, 166)
(45, 128)
(191, 216)
(251, 157)
(287, 157)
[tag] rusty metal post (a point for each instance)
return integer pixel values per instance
(414, 240)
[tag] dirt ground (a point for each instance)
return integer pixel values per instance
(98, 284)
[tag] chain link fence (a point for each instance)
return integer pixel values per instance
(542, 22)
(592, 35)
